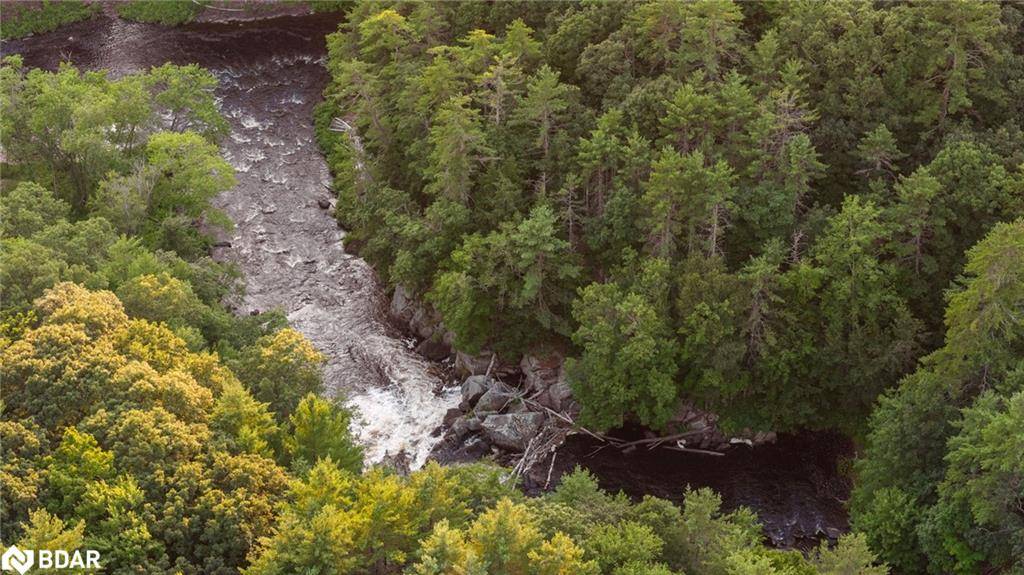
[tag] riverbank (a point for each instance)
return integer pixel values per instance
(288, 247)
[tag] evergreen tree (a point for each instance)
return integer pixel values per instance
(320, 430)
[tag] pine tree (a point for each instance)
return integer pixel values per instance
(688, 204)
(459, 149)
(625, 338)
(320, 430)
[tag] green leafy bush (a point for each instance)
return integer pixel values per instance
(168, 12)
(22, 19)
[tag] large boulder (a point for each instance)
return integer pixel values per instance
(420, 318)
(544, 375)
(495, 399)
(474, 387)
(513, 431)
(560, 397)
(426, 323)
(402, 306)
(471, 364)
(472, 450)
(466, 364)
(465, 425)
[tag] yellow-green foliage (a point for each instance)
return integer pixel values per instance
(113, 426)
(117, 436)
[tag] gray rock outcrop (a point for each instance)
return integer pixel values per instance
(512, 431)
(474, 387)
(495, 399)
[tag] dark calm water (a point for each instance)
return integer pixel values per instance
(271, 74)
(794, 485)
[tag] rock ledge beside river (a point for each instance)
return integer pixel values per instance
(506, 405)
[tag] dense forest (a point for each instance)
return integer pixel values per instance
(757, 211)
(142, 419)
(795, 215)
(777, 211)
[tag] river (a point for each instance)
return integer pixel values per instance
(795, 485)
(292, 256)
(289, 250)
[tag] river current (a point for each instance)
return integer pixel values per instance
(289, 249)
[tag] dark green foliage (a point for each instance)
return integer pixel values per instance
(625, 338)
(936, 483)
(505, 288)
(772, 211)
(807, 236)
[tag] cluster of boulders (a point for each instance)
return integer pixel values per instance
(492, 415)
(544, 378)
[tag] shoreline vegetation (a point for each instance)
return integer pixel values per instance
(140, 418)
(793, 215)
(21, 19)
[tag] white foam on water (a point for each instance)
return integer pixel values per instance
(273, 178)
(255, 155)
(389, 421)
(248, 122)
(292, 258)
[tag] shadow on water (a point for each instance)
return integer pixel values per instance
(794, 485)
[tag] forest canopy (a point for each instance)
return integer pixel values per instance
(794, 215)
(784, 213)
(142, 419)
(753, 207)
